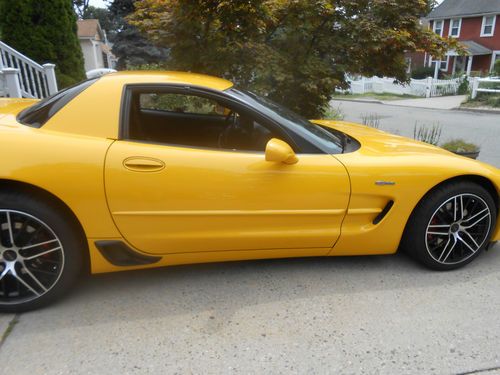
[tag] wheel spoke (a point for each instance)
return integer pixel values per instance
(439, 233)
(9, 227)
(19, 278)
(469, 237)
(34, 278)
(484, 216)
(453, 243)
(39, 244)
(43, 253)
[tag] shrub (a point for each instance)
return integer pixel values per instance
(372, 120)
(422, 72)
(459, 145)
(331, 113)
(428, 134)
(45, 31)
(496, 68)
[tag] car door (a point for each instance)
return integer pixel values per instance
(167, 198)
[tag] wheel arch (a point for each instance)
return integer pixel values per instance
(59, 204)
(480, 180)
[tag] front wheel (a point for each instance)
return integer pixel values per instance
(451, 226)
(40, 253)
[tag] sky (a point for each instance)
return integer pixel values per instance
(98, 3)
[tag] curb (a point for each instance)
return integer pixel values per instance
(373, 101)
(478, 110)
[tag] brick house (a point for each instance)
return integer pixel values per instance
(476, 24)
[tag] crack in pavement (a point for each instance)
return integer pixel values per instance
(479, 371)
(9, 329)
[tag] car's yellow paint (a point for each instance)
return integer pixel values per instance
(280, 152)
(201, 205)
(212, 200)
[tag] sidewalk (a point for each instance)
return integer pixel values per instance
(438, 102)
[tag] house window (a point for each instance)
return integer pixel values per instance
(438, 27)
(455, 25)
(443, 64)
(488, 27)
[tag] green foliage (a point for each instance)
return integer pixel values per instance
(428, 134)
(331, 113)
(496, 68)
(422, 72)
(463, 88)
(459, 145)
(45, 31)
(294, 52)
(130, 47)
(106, 20)
(372, 120)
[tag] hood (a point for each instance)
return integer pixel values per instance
(9, 108)
(374, 141)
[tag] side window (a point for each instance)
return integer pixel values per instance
(193, 121)
(179, 103)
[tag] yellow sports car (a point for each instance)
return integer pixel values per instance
(135, 170)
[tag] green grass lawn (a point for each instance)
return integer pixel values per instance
(372, 95)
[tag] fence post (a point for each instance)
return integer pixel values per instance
(12, 82)
(475, 86)
(428, 87)
(50, 73)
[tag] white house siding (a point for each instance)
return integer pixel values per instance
(92, 54)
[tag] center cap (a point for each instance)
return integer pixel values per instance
(454, 228)
(9, 255)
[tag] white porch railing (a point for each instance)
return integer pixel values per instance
(33, 80)
(427, 87)
(476, 82)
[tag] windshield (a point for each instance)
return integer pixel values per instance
(38, 114)
(329, 140)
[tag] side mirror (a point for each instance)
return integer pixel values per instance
(281, 152)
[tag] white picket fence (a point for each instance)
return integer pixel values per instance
(427, 87)
(476, 83)
(23, 77)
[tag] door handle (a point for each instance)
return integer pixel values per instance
(143, 164)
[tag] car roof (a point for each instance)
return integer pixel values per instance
(184, 78)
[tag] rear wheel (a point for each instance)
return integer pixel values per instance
(41, 253)
(451, 226)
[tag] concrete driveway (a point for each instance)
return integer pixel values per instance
(359, 315)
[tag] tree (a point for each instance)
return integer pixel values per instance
(45, 31)
(296, 52)
(129, 46)
(81, 7)
(106, 19)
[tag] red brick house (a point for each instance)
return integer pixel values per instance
(476, 24)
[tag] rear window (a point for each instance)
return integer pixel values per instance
(38, 114)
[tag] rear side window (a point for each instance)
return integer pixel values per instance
(38, 114)
(180, 103)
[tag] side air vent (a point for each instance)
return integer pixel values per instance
(119, 254)
(384, 212)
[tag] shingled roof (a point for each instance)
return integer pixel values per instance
(465, 8)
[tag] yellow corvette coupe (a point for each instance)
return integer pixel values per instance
(136, 170)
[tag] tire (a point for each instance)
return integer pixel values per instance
(451, 226)
(41, 252)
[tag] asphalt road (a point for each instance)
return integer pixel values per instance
(480, 128)
(356, 315)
